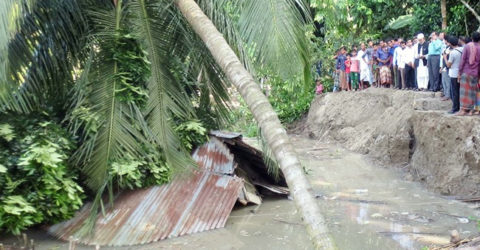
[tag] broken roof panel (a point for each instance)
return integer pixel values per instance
(214, 156)
(184, 206)
(225, 134)
(196, 203)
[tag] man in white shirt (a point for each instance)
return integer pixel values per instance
(421, 63)
(396, 53)
(401, 64)
(453, 64)
(408, 58)
(365, 73)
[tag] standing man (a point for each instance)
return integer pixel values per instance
(365, 73)
(401, 65)
(384, 58)
(453, 64)
(396, 63)
(408, 57)
(446, 82)
(469, 71)
(434, 51)
(392, 45)
(421, 62)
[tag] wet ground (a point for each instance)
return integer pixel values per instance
(365, 206)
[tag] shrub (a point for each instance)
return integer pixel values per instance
(36, 183)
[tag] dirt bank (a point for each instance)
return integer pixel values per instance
(403, 129)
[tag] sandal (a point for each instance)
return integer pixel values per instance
(462, 113)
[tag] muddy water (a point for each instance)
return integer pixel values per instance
(371, 207)
(273, 225)
(366, 207)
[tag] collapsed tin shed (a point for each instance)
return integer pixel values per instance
(229, 170)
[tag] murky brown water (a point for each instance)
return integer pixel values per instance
(370, 207)
(366, 207)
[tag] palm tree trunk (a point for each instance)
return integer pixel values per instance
(477, 16)
(443, 7)
(273, 131)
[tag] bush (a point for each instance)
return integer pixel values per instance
(290, 99)
(36, 183)
(242, 120)
(192, 133)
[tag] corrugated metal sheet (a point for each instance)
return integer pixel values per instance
(214, 156)
(203, 201)
(199, 202)
(225, 134)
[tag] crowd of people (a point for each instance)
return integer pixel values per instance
(446, 64)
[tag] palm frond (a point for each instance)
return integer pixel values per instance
(280, 41)
(47, 41)
(119, 131)
(400, 22)
(224, 14)
(209, 87)
(153, 24)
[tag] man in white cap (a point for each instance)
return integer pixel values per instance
(421, 62)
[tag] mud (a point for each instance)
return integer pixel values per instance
(405, 129)
(366, 207)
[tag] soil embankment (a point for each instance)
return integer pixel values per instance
(403, 129)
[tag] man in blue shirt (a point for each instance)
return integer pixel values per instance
(383, 56)
(433, 63)
(384, 60)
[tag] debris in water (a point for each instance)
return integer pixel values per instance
(244, 233)
(376, 215)
(463, 220)
(455, 237)
(361, 191)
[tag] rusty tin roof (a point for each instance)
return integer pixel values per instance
(200, 202)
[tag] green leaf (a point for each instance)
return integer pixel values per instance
(3, 169)
(6, 131)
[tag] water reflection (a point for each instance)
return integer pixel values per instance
(404, 239)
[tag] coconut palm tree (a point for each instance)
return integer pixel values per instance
(443, 8)
(121, 72)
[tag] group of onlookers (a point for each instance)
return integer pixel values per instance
(445, 63)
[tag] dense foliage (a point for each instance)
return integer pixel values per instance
(128, 84)
(363, 19)
(37, 184)
(288, 100)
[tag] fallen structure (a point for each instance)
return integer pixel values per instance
(229, 170)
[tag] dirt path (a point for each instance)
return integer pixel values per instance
(366, 207)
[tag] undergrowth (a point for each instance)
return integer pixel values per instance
(37, 185)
